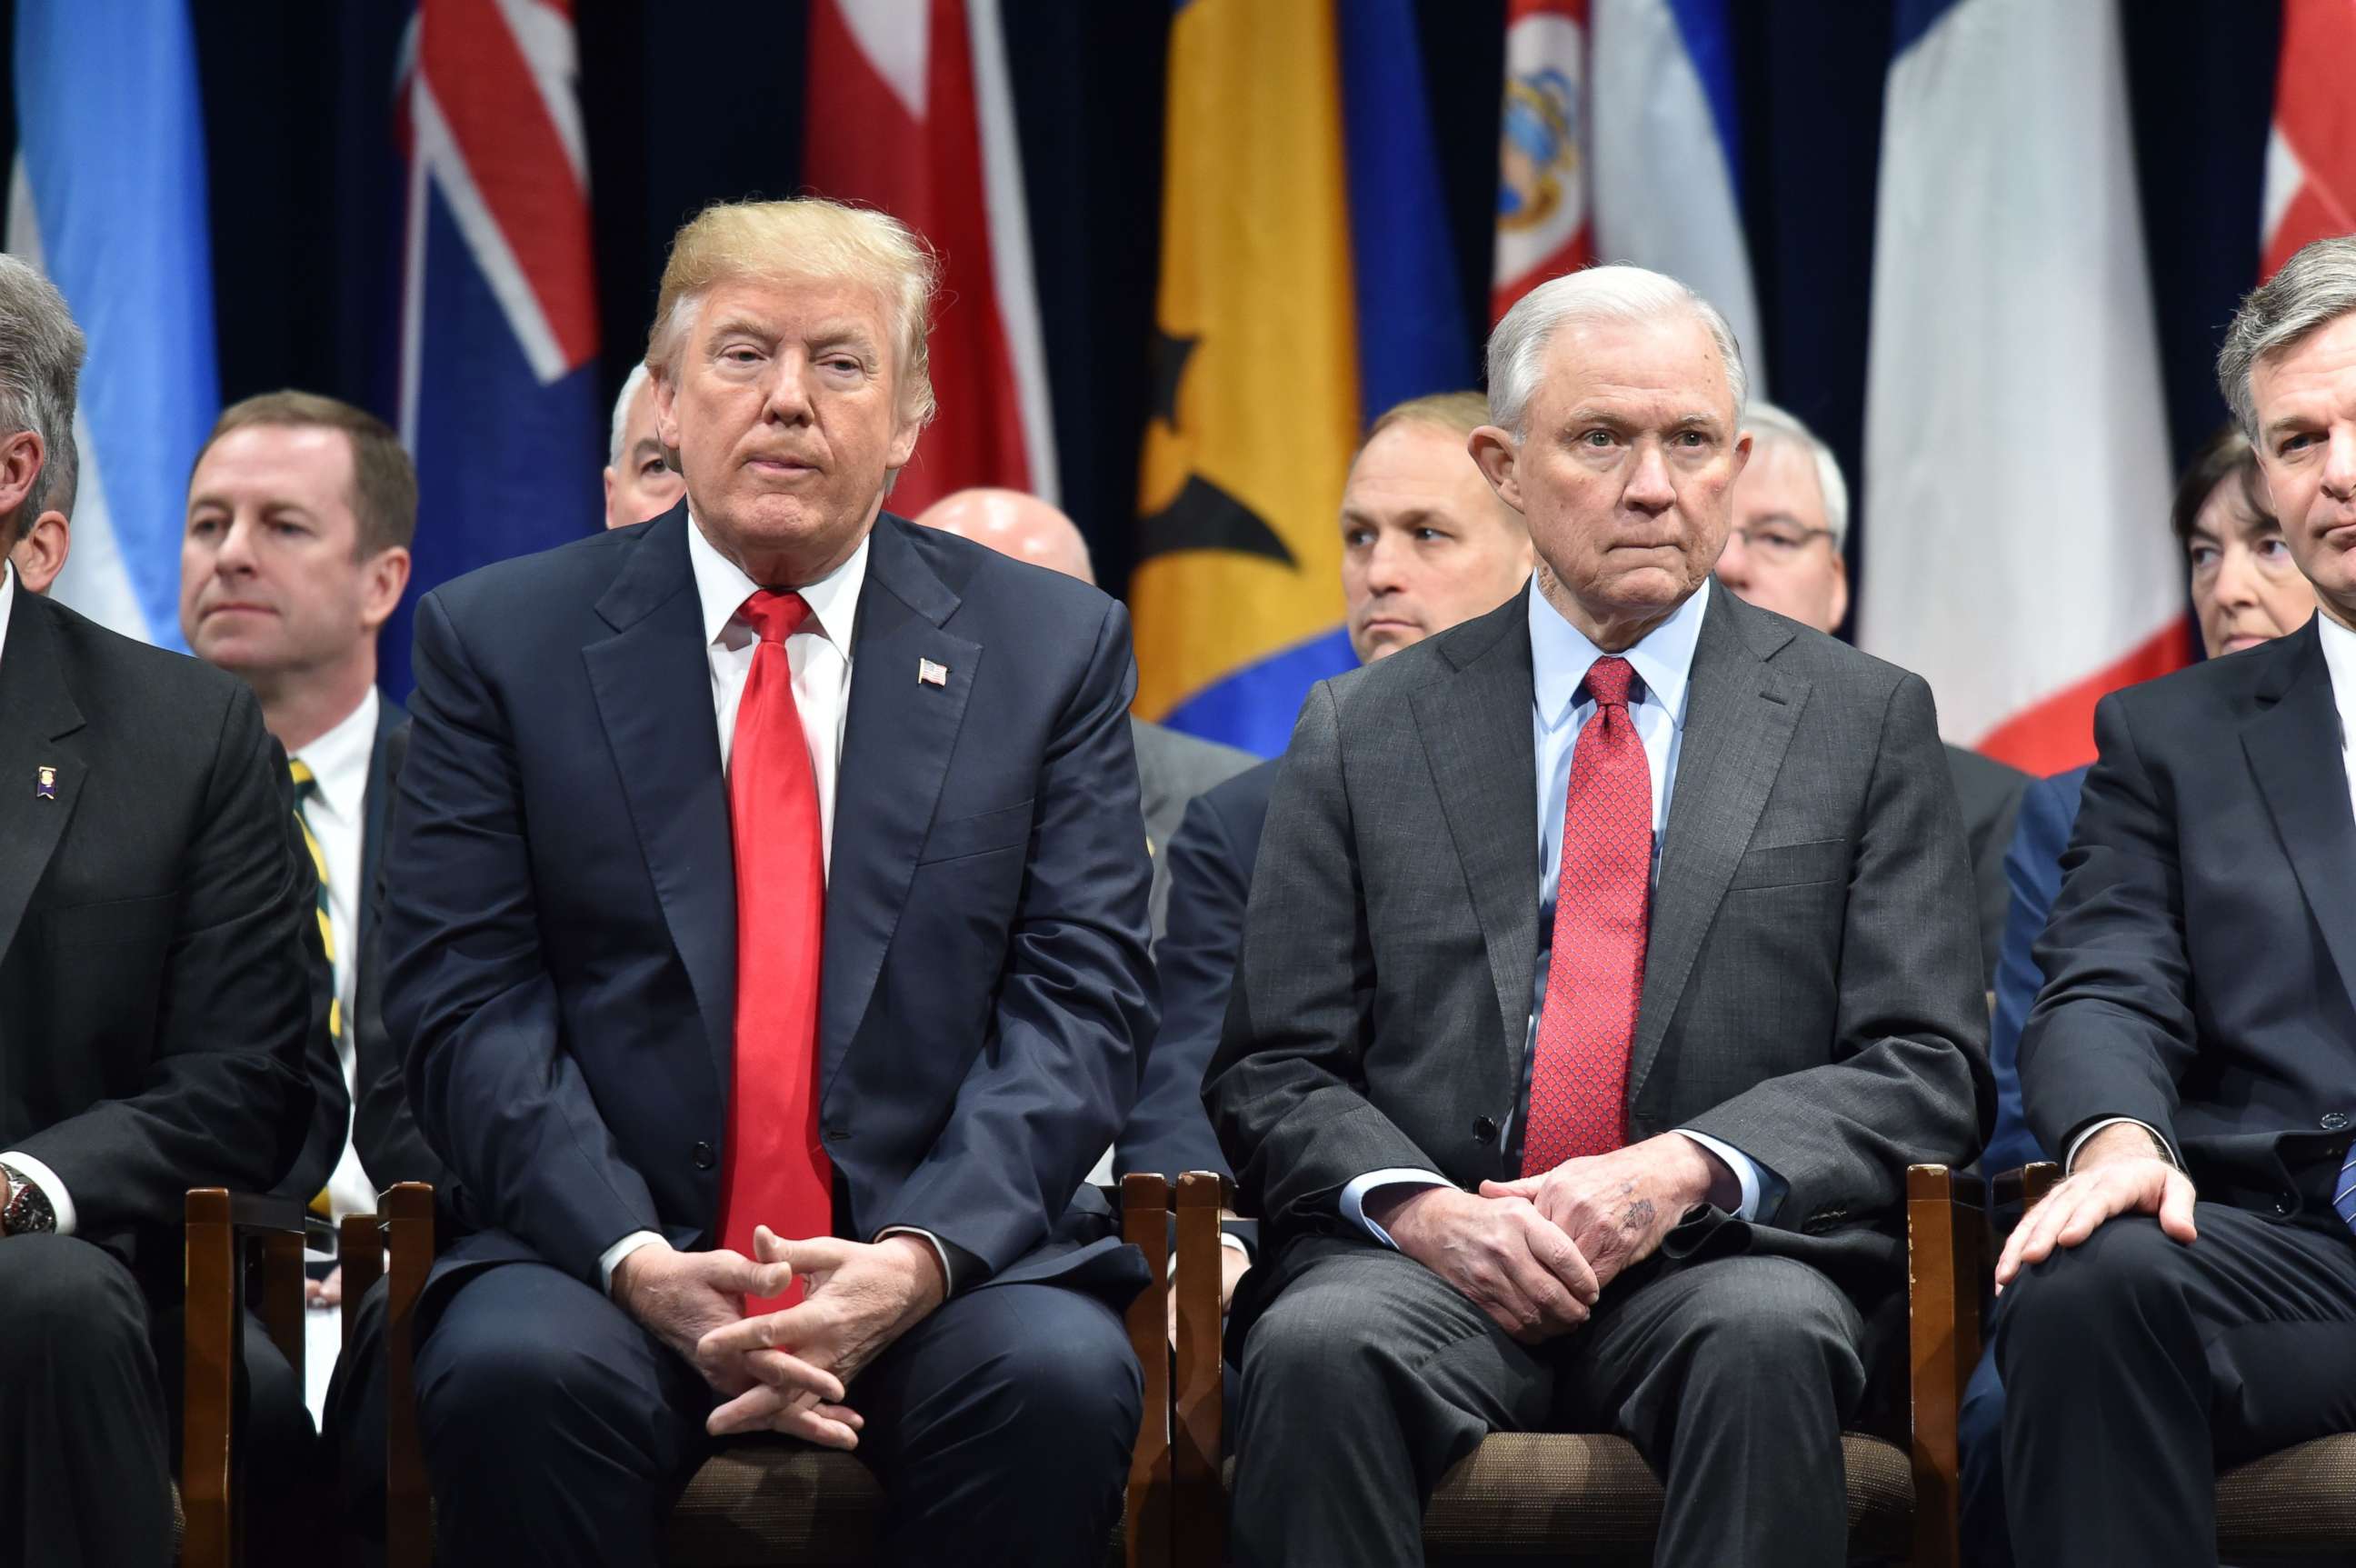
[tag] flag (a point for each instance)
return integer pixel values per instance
(499, 404)
(107, 196)
(910, 111)
(1542, 150)
(2016, 452)
(2310, 179)
(1306, 284)
(1667, 179)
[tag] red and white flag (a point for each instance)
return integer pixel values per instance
(2311, 156)
(910, 111)
(1544, 227)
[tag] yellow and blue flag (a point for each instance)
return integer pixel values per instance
(1307, 285)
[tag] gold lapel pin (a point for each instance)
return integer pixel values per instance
(45, 783)
(931, 674)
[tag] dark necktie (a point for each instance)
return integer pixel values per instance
(1595, 972)
(306, 789)
(774, 1172)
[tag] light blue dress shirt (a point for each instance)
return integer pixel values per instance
(1561, 655)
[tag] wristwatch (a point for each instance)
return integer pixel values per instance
(26, 1211)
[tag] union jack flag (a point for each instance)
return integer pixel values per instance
(498, 394)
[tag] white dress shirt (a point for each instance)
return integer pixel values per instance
(34, 1171)
(819, 657)
(1560, 656)
(336, 813)
(2338, 662)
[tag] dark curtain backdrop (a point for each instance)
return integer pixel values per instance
(692, 101)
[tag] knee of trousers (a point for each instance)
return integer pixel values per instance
(1080, 1379)
(1778, 1323)
(66, 1301)
(2082, 1307)
(484, 1397)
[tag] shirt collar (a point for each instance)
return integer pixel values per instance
(1561, 655)
(2340, 658)
(340, 759)
(7, 597)
(722, 587)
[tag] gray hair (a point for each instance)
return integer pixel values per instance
(639, 375)
(1768, 422)
(41, 368)
(2315, 288)
(1587, 297)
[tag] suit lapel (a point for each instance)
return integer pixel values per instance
(376, 805)
(1476, 739)
(2293, 745)
(39, 726)
(897, 737)
(1739, 713)
(652, 680)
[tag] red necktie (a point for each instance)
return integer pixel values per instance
(774, 1172)
(1595, 972)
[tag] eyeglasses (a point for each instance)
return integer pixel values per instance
(1781, 541)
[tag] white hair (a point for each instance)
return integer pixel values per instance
(639, 377)
(2313, 289)
(1589, 298)
(40, 371)
(1768, 422)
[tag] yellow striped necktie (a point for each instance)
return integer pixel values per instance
(306, 789)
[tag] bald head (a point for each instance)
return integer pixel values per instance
(1013, 524)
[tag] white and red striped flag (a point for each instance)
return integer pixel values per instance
(2311, 153)
(910, 111)
(1543, 223)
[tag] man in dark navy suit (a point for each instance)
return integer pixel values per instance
(770, 953)
(2186, 1297)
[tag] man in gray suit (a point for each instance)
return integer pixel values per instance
(1171, 767)
(1609, 957)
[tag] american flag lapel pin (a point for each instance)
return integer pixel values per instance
(931, 674)
(45, 783)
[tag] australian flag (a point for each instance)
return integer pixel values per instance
(498, 394)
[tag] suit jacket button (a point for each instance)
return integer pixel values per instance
(2334, 1121)
(1485, 1130)
(702, 1155)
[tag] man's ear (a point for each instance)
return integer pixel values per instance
(41, 553)
(385, 575)
(1840, 586)
(21, 456)
(1499, 457)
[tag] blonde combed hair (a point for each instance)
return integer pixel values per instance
(1461, 412)
(808, 240)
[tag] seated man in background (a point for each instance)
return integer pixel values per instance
(1536, 1141)
(155, 1000)
(1790, 519)
(770, 953)
(2186, 1296)
(640, 483)
(1171, 767)
(2246, 590)
(300, 514)
(41, 548)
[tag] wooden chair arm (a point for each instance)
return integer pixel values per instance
(1198, 1399)
(1946, 1258)
(220, 1229)
(1145, 1224)
(2037, 1179)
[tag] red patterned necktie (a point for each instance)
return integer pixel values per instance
(774, 1172)
(1595, 972)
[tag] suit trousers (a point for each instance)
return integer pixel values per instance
(1368, 1376)
(2134, 1367)
(89, 1424)
(558, 1432)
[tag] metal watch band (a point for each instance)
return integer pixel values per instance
(29, 1212)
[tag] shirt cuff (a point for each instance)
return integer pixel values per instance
(1746, 1170)
(611, 1259)
(1228, 1239)
(1354, 1196)
(46, 1181)
(2070, 1160)
(948, 1275)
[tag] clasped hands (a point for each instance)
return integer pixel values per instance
(784, 1372)
(1533, 1254)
